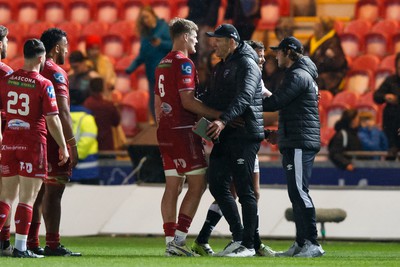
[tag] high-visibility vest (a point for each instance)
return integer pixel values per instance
(85, 132)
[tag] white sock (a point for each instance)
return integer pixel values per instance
(168, 239)
(20, 242)
(180, 238)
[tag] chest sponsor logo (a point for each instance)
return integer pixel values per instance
(186, 68)
(50, 91)
(59, 77)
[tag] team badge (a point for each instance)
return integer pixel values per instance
(59, 77)
(50, 91)
(186, 68)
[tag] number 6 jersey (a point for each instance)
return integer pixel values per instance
(26, 97)
(174, 74)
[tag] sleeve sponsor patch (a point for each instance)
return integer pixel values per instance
(59, 77)
(50, 91)
(187, 80)
(186, 68)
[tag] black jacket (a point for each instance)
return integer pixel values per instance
(343, 140)
(235, 89)
(297, 102)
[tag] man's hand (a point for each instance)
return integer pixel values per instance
(215, 128)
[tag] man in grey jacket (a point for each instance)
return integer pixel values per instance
(236, 91)
(298, 139)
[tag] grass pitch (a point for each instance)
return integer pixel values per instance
(149, 251)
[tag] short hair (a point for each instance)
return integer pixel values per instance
(96, 85)
(33, 48)
(51, 37)
(255, 44)
(3, 32)
(179, 26)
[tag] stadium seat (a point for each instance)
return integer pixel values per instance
(362, 62)
(115, 40)
(134, 45)
(326, 98)
(54, 11)
(379, 40)
(138, 100)
(162, 9)
(181, 9)
(359, 27)
(352, 44)
(16, 63)
(270, 14)
(386, 68)
(131, 9)
(73, 30)
(326, 135)
(391, 9)
(366, 103)
(95, 27)
(124, 82)
(396, 43)
(36, 29)
(367, 10)
(28, 11)
(80, 11)
(16, 31)
(342, 101)
(361, 77)
(7, 11)
(322, 115)
(106, 10)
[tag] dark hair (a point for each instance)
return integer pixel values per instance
(51, 37)
(345, 120)
(33, 48)
(3, 32)
(178, 26)
(293, 55)
(96, 85)
(255, 44)
(142, 28)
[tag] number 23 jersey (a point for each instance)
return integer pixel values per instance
(26, 97)
(174, 74)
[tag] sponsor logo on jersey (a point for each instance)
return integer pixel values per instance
(59, 77)
(17, 124)
(187, 80)
(186, 68)
(166, 108)
(50, 91)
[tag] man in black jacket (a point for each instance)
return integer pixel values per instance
(235, 89)
(299, 139)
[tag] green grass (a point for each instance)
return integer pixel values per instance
(149, 251)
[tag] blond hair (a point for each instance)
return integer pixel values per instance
(179, 26)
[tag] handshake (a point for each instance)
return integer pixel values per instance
(271, 136)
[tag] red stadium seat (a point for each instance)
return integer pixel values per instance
(162, 8)
(92, 28)
(181, 8)
(326, 98)
(361, 77)
(115, 40)
(342, 101)
(16, 31)
(73, 30)
(54, 11)
(391, 9)
(386, 68)
(352, 44)
(379, 40)
(326, 135)
(396, 43)
(124, 82)
(360, 27)
(28, 11)
(367, 10)
(138, 100)
(107, 10)
(7, 11)
(80, 11)
(131, 9)
(36, 29)
(370, 62)
(270, 14)
(16, 63)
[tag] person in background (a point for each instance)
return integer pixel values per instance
(85, 132)
(101, 63)
(299, 140)
(389, 93)
(284, 28)
(31, 105)
(371, 137)
(244, 16)
(6, 248)
(325, 50)
(80, 75)
(345, 139)
(104, 112)
(155, 43)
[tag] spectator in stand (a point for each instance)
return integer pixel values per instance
(5, 247)
(272, 74)
(389, 93)
(85, 132)
(104, 112)
(155, 43)
(205, 14)
(371, 137)
(284, 28)
(303, 8)
(326, 52)
(345, 139)
(101, 63)
(79, 78)
(244, 16)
